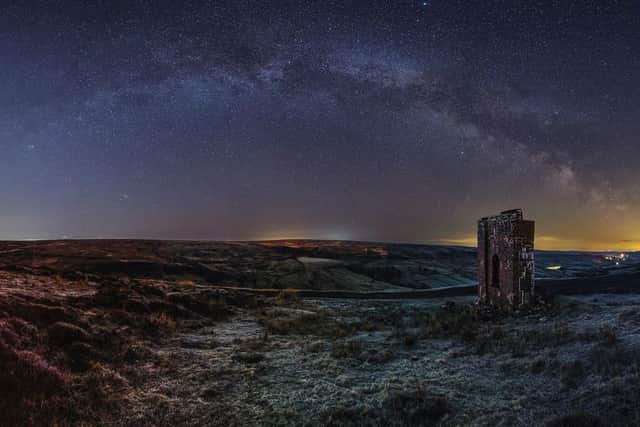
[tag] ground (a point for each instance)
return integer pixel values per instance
(131, 334)
(304, 378)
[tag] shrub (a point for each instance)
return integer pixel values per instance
(7, 334)
(352, 417)
(409, 340)
(571, 373)
(538, 366)
(186, 284)
(580, 419)
(287, 296)
(607, 335)
(384, 317)
(160, 322)
(487, 338)
(347, 349)
(102, 385)
(414, 406)
(249, 357)
(409, 407)
(31, 390)
(40, 314)
(81, 354)
(454, 322)
(62, 334)
(624, 397)
(319, 324)
(613, 361)
(552, 336)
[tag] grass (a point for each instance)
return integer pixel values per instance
(489, 330)
(612, 361)
(127, 369)
(460, 321)
(410, 406)
(347, 349)
(307, 323)
(32, 388)
(624, 397)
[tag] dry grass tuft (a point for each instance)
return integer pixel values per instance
(412, 406)
(579, 419)
(287, 296)
(160, 322)
(186, 284)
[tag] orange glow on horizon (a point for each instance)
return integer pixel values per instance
(601, 239)
(552, 243)
(542, 242)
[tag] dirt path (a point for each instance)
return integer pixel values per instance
(613, 284)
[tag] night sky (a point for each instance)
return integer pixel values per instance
(367, 120)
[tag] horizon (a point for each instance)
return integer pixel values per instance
(454, 243)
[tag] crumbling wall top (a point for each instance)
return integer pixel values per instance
(508, 215)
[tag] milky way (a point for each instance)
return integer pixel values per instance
(397, 121)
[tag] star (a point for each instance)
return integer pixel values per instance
(362, 101)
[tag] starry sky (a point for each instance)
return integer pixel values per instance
(367, 120)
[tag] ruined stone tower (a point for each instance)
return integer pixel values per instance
(505, 259)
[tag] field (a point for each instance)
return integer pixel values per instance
(197, 333)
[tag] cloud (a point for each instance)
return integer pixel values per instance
(563, 178)
(461, 241)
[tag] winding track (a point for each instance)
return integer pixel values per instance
(612, 284)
